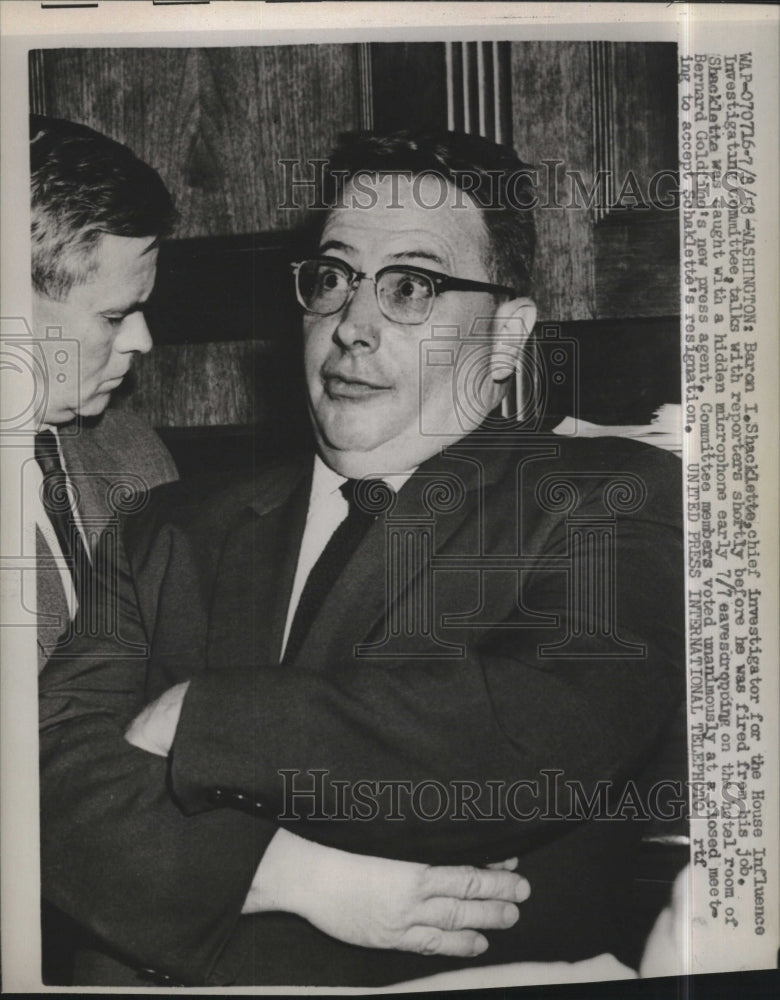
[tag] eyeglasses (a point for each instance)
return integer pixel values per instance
(404, 294)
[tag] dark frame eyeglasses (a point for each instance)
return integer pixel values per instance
(404, 294)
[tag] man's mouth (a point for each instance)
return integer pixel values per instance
(347, 387)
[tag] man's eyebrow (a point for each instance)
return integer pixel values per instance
(126, 308)
(400, 256)
(419, 254)
(336, 245)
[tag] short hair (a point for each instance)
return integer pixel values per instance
(493, 175)
(84, 186)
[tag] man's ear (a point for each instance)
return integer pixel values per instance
(512, 325)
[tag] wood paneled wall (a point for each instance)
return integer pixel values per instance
(581, 108)
(552, 121)
(214, 122)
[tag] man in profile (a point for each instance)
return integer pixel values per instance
(439, 638)
(98, 215)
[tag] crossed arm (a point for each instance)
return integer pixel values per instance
(165, 890)
(363, 900)
(239, 725)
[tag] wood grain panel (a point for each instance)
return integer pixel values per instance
(637, 262)
(146, 98)
(637, 248)
(213, 122)
(645, 118)
(261, 105)
(207, 385)
(552, 121)
(626, 264)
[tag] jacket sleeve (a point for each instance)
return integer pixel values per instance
(160, 889)
(502, 720)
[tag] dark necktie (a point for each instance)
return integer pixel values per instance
(56, 503)
(366, 498)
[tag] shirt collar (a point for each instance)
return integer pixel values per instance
(326, 482)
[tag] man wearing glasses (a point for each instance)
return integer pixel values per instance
(442, 638)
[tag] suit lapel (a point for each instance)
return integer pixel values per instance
(435, 511)
(90, 470)
(52, 604)
(256, 572)
(284, 530)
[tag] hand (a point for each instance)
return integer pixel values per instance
(154, 728)
(380, 903)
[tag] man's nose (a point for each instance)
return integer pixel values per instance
(134, 335)
(361, 321)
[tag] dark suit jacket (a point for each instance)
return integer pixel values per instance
(112, 462)
(155, 857)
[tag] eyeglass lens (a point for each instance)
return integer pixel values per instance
(403, 296)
